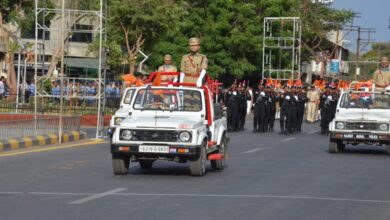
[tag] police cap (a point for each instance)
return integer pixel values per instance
(167, 57)
(194, 41)
(384, 60)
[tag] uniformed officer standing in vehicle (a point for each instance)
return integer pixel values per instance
(381, 76)
(167, 67)
(232, 101)
(193, 65)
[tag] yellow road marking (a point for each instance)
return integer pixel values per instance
(51, 148)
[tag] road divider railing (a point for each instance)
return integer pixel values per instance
(20, 125)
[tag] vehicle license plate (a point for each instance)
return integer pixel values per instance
(373, 136)
(153, 149)
(348, 135)
(359, 136)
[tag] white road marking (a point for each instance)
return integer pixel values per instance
(253, 150)
(288, 139)
(4, 193)
(97, 196)
(115, 192)
(312, 132)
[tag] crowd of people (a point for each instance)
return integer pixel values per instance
(288, 103)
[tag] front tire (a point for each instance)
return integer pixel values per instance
(120, 164)
(198, 167)
(333, 147)
(220, 164)
(340, 146)
(388, 149)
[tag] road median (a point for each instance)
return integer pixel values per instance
(40, 140)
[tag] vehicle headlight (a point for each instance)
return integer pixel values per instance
(126, 135)
(118, 120)
(340, 125)
(185, 136)
(384, 127)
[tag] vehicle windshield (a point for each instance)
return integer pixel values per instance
(168, 100)
(365, 100)
(128, 96)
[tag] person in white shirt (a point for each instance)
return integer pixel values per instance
(2, 88)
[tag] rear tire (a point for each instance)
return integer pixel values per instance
(120, 164)
(220, 164)
(146, 164)
(333, 148)
(198, 167)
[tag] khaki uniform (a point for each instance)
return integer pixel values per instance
(381, 79)
(167, 68)
(312, 105)
(191, 65)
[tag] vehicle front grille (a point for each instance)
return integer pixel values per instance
(362, 126)
(155, 135)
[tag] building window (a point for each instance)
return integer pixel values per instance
(81, 37)
(29, 33)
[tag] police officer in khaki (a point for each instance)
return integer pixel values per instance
(381, 76)
(314, 99)
(194, 65)
(167, 67)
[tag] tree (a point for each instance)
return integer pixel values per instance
(317, 21)
(14, 15)
(141, 23)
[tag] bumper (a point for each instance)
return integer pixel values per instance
(360, 137)
(175, 152)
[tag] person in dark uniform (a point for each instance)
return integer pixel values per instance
(259, 110)
(232, 105)
(302, 99)
(271, 109)
(286, 105)
(325, 109)
(244, 97)
(294, 110)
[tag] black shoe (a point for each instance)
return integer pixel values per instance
(281, 133)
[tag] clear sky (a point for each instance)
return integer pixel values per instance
(374, 14)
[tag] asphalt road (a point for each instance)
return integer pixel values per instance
(268, 177)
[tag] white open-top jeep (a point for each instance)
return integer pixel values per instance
(178, 122)
(362, 117)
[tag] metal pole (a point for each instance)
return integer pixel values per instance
(105, 65)
(24, 79)
(18, 85)
(357, 52)
(99, 118)
(62, 70)
(263, 63)
(35, 64)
